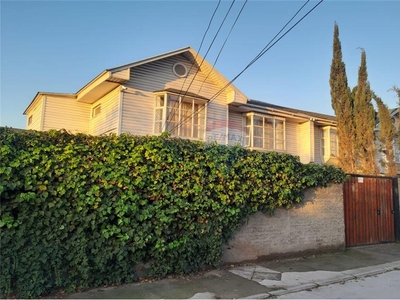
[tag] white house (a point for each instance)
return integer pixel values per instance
(182, 93)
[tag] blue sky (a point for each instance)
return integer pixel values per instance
(59, 46)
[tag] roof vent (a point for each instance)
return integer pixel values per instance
(179, 70)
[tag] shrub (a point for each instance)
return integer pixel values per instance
(80, 211)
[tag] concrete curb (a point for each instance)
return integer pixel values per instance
(347, 275)
(259, 296)
(335, 280)
(294, 289)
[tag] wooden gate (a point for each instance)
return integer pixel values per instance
(369, 210)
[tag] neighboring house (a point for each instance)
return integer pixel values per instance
(149, 96)
(381, 157)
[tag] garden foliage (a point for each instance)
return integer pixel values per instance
(80, 211)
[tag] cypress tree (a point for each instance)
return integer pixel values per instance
(397, 91)
(387, 133)
(342, 104)
(364, 121)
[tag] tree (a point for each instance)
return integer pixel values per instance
(342, 104)
(387, 134)
(364, 121)
(397, 90)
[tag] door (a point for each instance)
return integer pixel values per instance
(369, 210)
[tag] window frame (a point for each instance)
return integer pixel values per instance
(249, 139)
(30, 120)
(326, 143)
(96, 110)
(197, 128)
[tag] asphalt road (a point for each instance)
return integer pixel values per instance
(382, 286)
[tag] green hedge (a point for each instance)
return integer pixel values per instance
(79, 211)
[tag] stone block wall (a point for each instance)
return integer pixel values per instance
(314, 225)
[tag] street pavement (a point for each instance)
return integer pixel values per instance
(270, 279)
(381, 286)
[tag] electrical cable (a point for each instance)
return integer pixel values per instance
(266, 49)
(208, 50)
(201, 44)
(223, 45)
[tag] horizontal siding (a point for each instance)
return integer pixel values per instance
(303, 144)
(216, 78)
(66, 113)
(107, 121)
(36, 114)
(138, 101)
(236, 132)
(291, 138)
(317, 145)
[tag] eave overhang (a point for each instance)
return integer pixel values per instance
(104, 83)
(300, 117)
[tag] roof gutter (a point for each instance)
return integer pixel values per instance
(289, 114)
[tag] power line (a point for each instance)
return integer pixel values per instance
(201, 44)
(261, 52)
(212, 42)
(266, 49)
(220, 51)
(208, 50)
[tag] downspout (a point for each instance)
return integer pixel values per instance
(119, 119)
(227, 126)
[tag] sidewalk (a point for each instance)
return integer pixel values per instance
(263, 279)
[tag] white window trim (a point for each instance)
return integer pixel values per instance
(94, 110)
(164, 115)
(251, 132)
(326, 143)
(176, 73)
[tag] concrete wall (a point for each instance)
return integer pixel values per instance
(316, 224)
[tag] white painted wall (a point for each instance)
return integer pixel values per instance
(107, 121)
(65, 113)
(304, 142)
(36, 113)
(291, 138)
(138, 101)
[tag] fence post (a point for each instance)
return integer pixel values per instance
(396, 204)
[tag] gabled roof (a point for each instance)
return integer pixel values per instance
(150, 59)
(112, 77)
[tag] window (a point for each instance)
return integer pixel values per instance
(30, 119)
(329, 143)
(179, 70)
(96, 110)
(182, 116)
(265, 132)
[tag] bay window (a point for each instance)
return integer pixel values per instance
(182, 116)
(264, 132)
(329, 143)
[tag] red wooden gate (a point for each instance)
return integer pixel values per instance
(369, 210)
